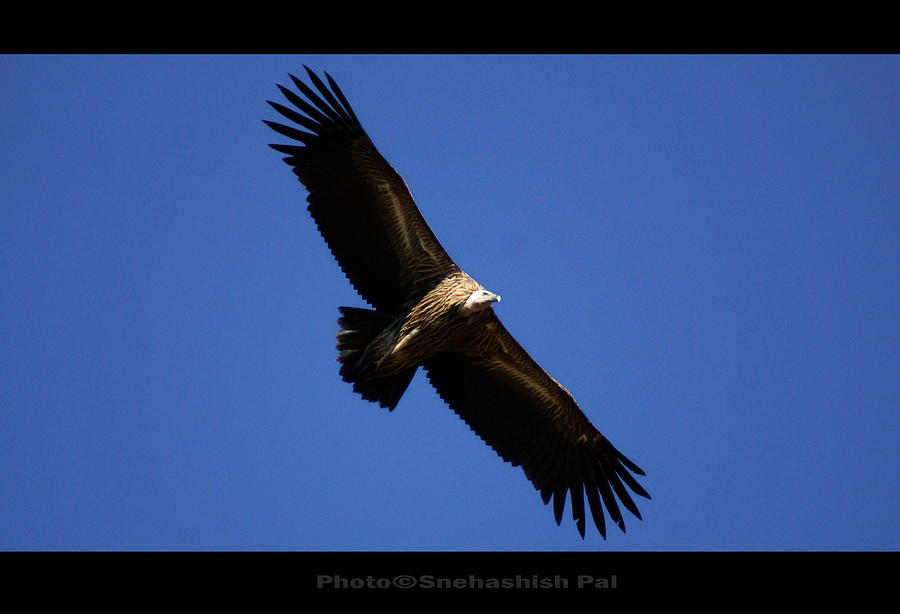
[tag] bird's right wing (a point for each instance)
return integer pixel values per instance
(361, 205)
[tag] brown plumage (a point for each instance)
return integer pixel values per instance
(428, 313)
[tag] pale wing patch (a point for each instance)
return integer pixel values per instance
(409, 235)
(405, 233)
(427, 250)
(537, 388)
(544, 387)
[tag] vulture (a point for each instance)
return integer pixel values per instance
(426, 312)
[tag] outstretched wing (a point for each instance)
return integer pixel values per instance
(531, 421)
(360, 204)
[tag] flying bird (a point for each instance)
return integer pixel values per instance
(428, 313)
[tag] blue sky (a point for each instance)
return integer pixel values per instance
(702, 249)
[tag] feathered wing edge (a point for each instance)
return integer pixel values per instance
(361, 205)
(531, 421)
(322, 118)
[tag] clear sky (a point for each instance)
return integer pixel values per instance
(702, 249)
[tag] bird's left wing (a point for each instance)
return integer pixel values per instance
(532, 421)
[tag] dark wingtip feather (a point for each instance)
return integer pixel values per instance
(590, 487)
(576, 487)
(288, 131)
(631, 482)
(628, 462)
(343, 100)
(559, 504)
(623, 495)
(291, 150)
(325, 100)
(295, 117)
(545, 495)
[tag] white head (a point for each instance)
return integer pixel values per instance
(478, 300)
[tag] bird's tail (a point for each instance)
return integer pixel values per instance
(358, 367)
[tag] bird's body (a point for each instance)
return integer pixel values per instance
(438, 322)
(379, 354)
(428, 313)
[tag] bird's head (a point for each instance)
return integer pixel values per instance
(478, 300)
